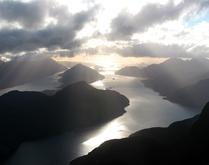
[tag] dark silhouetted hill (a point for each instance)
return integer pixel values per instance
(27, 116)
(22, 70)
(182, 143)
(132, 71)
(80, 73)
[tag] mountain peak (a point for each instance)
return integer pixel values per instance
(78, 73)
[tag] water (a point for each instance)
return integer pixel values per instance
(147, 109)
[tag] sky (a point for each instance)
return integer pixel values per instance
(126, 28)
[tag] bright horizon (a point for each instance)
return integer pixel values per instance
(111, 61)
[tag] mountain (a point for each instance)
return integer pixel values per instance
(185, 82)
(194, 95)
(174, 74)
(27, 116)
(181, 81)
(184, 71)
(132, 71)
(80, 73)
(182, 143)
(26, 69)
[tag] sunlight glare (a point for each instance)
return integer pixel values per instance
(98, 84)
(105, 61)
(114, 130)
(108, 64)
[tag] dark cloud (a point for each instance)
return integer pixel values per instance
(61, 35)
(35, 13)
(126, 24)
(160, 50)
(22, 40)
(73, 52)
(153, 50)
(30, 15)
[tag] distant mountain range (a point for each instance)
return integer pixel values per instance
(27, 69)
(31, 74)
(182, 143)
(175, 73)
(27, 116)
(180, 81)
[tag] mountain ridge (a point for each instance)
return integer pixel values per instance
(21, 70)
(183, 142)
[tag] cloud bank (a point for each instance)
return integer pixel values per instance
(171, 29)
(34, 34)
(126, 24)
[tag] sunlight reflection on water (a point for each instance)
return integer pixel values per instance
(112, 130)
(146, 109)
(99, 84)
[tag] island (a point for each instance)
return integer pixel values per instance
(78, 73)
(27, 116)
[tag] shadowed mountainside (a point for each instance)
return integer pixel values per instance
(180, 81)
(29, 116)
(78, 73)
(184, 142)
(22, 70)
(192, 96)
(174, 74)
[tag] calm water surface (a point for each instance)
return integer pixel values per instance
(147, 109)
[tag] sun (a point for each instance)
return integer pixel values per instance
(107, 64)
(105, 61)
